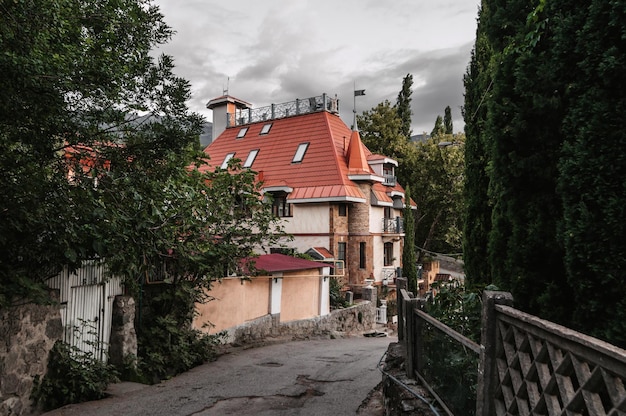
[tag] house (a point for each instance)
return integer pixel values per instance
(285, 287)
(339, 201)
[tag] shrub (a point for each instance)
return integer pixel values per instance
(73, 376)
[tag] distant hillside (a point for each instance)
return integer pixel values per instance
(207, 135)
(420, 137)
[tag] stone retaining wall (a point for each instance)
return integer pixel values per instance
(338, 323)
(27, 334)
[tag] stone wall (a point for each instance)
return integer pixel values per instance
(338, 323)
(27, 333)
(123, 341)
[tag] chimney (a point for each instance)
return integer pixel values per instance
(225, 112)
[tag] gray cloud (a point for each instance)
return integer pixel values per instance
(278, 51)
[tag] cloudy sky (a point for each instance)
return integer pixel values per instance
(273, 51)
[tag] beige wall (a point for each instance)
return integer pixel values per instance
(236, 301)
(301, 296)
(307, 218)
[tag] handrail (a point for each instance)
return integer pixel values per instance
(448, 331)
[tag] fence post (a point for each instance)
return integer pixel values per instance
(487, 368)
(411, 336)
(419, 330)
(400, 284)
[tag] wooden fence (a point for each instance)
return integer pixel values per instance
(524, 365)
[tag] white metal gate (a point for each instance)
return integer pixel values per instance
(86, 299)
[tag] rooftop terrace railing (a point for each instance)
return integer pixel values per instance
(525, 365)
(291, 108)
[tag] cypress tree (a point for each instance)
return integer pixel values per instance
(403, 105)
(447, 121)
(477, 214)
(593, 167)
(438, 129)
(409, 266)
(524, 129)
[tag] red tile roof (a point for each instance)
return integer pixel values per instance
(282, 263)
(322, 173)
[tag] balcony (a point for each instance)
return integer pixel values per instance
(276, 111)
(393, 225)
(389, 180)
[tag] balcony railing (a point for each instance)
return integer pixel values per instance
(389, 180)
(291, 108)
(393, 225)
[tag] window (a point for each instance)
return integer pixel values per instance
(242, 132)
(265, 129)
(280, 206)
(388, 212)
(226, 159)
(300, 152)
(388, 254)
(250, 159)
(362, 255)
(343, 210)
(341, 254)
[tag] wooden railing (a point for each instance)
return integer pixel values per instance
(524, 366)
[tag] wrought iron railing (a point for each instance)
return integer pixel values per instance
(393, 225)
(291, 108)
(389, 180)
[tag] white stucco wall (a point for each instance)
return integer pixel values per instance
(308, 218)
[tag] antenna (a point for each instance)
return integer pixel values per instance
(225, 90)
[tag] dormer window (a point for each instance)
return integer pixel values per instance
(242, 132)
(300, 152)
(226, 159)
(280, 207)
(250, 159)
(265, 129)
(388, 175)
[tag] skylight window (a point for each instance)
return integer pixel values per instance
(300, 152)
(251, 157)
(242, 132)
(266, 129)
(226, 159)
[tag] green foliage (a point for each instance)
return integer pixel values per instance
(438, 129)
(544, 92)
(477, 212)
(403, 105)
(409, 259)
(436, 178)
(591, 167)
(167, 345)
(459, 308)
(337, 300)
(75, 74)
(73, 376)
(447, 121)
(450, 368)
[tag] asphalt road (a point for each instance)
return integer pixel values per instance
(318, 377)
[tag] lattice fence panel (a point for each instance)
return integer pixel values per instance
(541, 373)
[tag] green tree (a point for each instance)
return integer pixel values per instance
(381, 132)
(84, 175)
(73, 72)
(477, 212)
(543, 86)
(524, 126)
(438, 129)
(590, 42)
(403, 105)
(436, 181)
(409, 260)
(447, 121)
